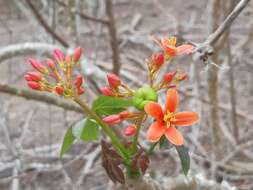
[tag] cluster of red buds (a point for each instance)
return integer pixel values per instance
(116, 87)
(60, 72)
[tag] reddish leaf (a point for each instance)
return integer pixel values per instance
(143, 163)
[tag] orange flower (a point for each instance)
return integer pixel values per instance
(167, 121)
(169, 46)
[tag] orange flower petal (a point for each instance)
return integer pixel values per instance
(168, 45)
(170, 50)
(172, 100)
(155, 131)
(184, 49)
(174, 136)
(185, 118)
(154, 109)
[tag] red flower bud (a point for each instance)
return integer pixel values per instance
(68, 59)
(158, 59)
(34, 85)
(80, 91)
(28, 78)
(124, 114)
(59, 90)
(113, 80)
(38, 66)
(112, 119)
(130, 130)
(35, 76)
(107, 91)
(77, 54)
(51, 64)
(58, 55)
(168, 77)
(78, 81)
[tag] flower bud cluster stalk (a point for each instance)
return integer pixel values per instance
(56, 76)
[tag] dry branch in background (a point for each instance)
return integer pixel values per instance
(45, 24)
(206, 47)
(113, 37)
(38, 96)
(215, 11)
(26, 48)
(83, 15)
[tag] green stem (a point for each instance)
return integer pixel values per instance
(138, 124)
(151, 148)
(107, 130)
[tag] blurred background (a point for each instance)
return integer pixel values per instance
(116, 38)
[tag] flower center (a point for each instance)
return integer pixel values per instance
(168, 118)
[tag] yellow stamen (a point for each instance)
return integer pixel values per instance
(168, 118)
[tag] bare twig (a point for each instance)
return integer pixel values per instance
(205, 47)
(45, 24)
(25, 49)
(32, 95)
(85, 16)
(113, 37)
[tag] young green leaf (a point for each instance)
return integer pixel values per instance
(86, 130)
(67, 141)
(184, 158)
(78, 128)
(106, 105)
(90, 131)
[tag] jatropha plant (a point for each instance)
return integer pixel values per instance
(124, 155)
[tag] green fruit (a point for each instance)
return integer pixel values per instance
(144, 95)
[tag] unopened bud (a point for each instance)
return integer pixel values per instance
(168, 77)
(35, 76)
(158, 59)
(113, 80)
(130, 130)
(124, 114)
(51, 64)
(68, 59)
(112, 119)
(107, 91)
(34, 85)
(80, 91)
(58, 55)
(38, 66)
(59, 90)
(28, 78)
(77, 54)
(78, 81)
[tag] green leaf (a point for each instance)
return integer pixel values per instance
(86, 130)
(67, 141)
(184, 158)
(106, 105)
(78, 128)
(90, 131)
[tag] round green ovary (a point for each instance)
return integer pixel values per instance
(143, 95)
